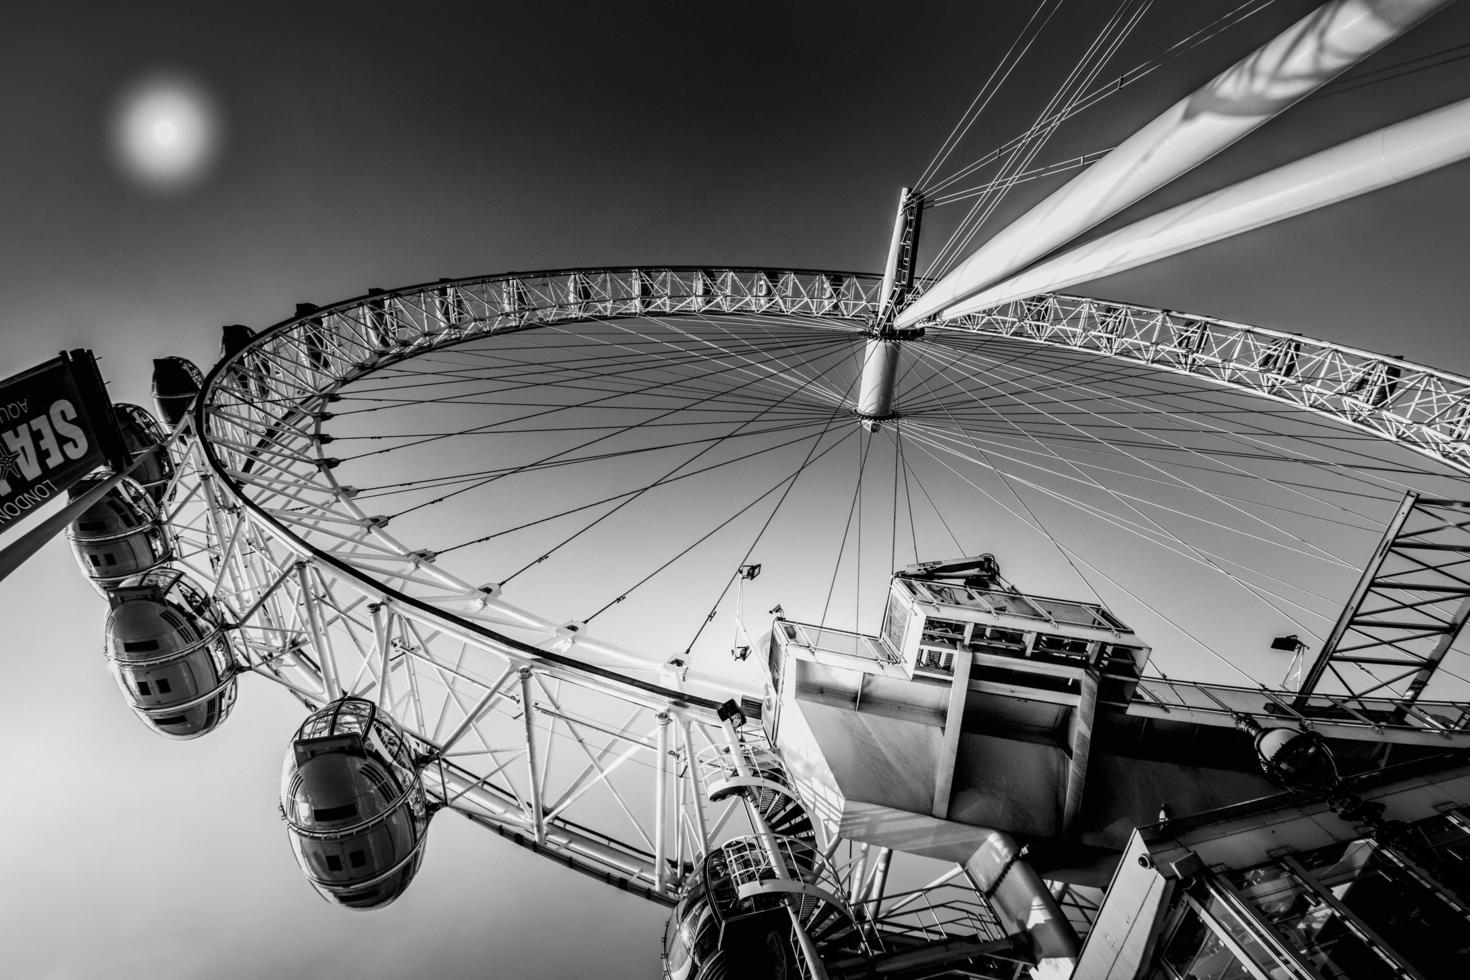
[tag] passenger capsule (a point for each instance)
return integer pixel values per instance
(175, 383)
(118, 536)
(169, 653)
(141, 432)
(233, 338)
(692, 936)
(354, 804)
(249, 372)
(715, 932)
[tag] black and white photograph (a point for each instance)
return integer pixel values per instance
(735, 491)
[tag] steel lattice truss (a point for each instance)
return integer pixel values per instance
(1407, 610)
(1408, 404)
(327, 601)
(525, 725)
(601, 772)
(300, 620)
(1415, 406)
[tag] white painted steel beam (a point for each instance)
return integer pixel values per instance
(1024, 904)
(959, 694)
(1367, 163)
(661, 803)
(1300, 60)
(538, 813)
(895, 247)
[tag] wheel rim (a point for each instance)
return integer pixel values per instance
(259, 415)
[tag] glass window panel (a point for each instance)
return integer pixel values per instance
(1194, 950)
(1447, 841)
(1309, 925)
(1420, 925)
(1232, 925)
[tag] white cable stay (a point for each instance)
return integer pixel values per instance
(1250, 93)
(1359, 166)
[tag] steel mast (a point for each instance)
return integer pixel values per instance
(877, 394)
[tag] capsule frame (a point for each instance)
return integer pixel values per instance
(176, 381)
(170, 654)
(354, 804)
(120, 536)
(141, 432)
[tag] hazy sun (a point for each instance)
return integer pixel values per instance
(165, 132)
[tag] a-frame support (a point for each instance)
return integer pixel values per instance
(1407, 609)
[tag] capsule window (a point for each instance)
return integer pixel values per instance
(334, 862)
(363, 899)
(380, 780)
(139, 646)
(175, 620)
(344, 812)
(164, 687)
(143, 688)
(358, 859)
(172, 720)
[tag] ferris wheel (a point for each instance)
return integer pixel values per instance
(537, 547)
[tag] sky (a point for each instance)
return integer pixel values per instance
(367, 145)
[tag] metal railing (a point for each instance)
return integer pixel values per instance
(936, 914)
(1421, 407)
(1427, 722)
(1055, 611)
(826, 639)
(719, 765)
(784, 865)
(1442, 723)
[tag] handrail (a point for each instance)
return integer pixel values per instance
(1439, 722)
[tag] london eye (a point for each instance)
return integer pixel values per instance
(767, 594)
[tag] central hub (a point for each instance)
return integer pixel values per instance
(878, 392)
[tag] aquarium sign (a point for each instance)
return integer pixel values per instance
(56, 425)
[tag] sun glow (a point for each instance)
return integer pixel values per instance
(165, 133)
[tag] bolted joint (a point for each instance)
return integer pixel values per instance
(566, 635)
(1247, 724)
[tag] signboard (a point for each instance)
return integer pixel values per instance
(56, 424)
